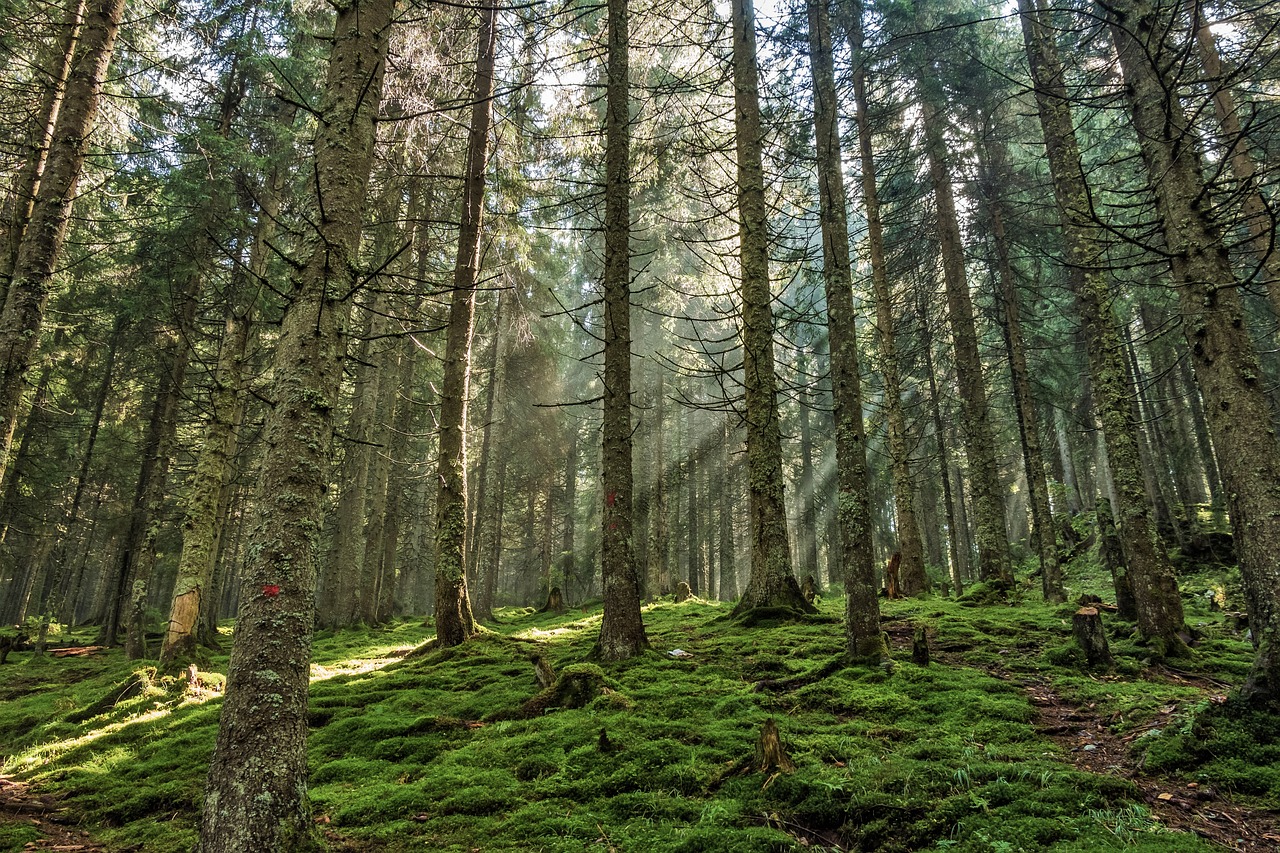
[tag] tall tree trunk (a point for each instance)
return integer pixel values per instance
(255, 798)
(1226, 364)
(477, 509)
(1159, 607)
(1259, 221)
(975, 414)
(771, 583)
(1045, 534)
(26, 182)
(622, 633)
(454, 621)
(864, 641)
(46, 230)
(50, 605)
(658, 573)
(909, 546)
(957, 524)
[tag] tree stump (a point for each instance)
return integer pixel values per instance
(1086, 627)
(770, 754)
(920, 647)
(555, 601)
(891, 576)
(809, 589)
(683, 593)
(542, 671)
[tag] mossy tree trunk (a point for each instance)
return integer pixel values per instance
(657, 574)
(864, 641)
(1158, 605)
(771, 583)
(206, 508)
(18, 206)
(622, 632)
(1258, 219)
(993, 168)
(46, 228)
(454, 621)
(975, 412)
(1226, 364)
(194, 604)
(909, 545)
(255, 798)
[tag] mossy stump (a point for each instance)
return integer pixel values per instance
(1086, 628)
(920, 647)
(809, 589)
(771, 756)
(555, 602)
(683, 592)
(576, 687)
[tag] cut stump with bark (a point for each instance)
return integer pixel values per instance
(920, 647)
(1086, 628)
(809, 589)
(771, 756)
(555, 602)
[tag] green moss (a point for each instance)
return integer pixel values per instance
(431, 751)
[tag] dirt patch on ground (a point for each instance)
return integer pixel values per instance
(46, 816)
(1089, 744)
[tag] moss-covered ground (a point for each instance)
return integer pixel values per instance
(436, 751)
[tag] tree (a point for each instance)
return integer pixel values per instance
(1159, 608)
(255, 797)
(1226, 363)
(864, 641)
(975, 411)
(454, 620)
(622, 629)
(771, 582)
(911, 568)
(46, 227)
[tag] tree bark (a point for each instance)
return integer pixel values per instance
(1226, 364)
(909, 545)
(864, 641)
(1045, 534)
(46, 230)
(255, 798)
(1160, 617)
(975, 412)
(454, 620)
(622, 633)
(771, 583)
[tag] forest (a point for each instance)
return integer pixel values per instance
(839, 424)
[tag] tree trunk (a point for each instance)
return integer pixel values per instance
(40, 134)
(657, 573)
(1226, 364)
(1160, 618)
(255, 798)
(46, 230)
(864, 641)
(622, 633)
(909, 545)
(454, 621)
(975, 413)
(771, 583)
(1045, 534)
(1259, 221)
(957, 523)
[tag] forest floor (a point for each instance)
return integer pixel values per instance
(1002, 743)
